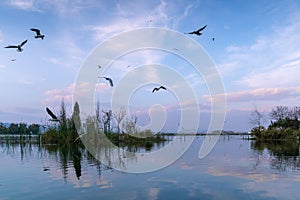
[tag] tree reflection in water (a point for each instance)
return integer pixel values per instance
(70, 156)
(284, 154)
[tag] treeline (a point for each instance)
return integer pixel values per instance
(284, 123)
(20, 129)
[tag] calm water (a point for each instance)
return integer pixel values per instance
(235, 169)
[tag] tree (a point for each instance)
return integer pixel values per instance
(257, 119)
(279, 113)
(106, 119)
(3, 129)
(119, 116)
(283, 117)
(98, 115)
(130, 125)
(76, 116)
(13, 128)
(63, 116)
(22, 128)
(33, 129)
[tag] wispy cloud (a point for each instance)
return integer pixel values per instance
(130, 16)
(55, 96)
(265, 94)
(61, 7)
(22, 4)
(272, 57)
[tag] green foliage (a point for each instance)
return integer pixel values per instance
(66, 131)
(33, 129)
(91, 131)
(3, 129)
(285, 125)
(258, 131)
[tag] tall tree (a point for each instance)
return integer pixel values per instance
(63, 116)
(76, 116)
(257, 119)
(119, 116)
(106, 119)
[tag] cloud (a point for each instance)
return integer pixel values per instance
(135, 15)
(271, 61)
(265, 94)
(22, 4)
(55, 96)
(61, 7)
(282, 76)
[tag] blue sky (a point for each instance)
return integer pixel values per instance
(256, 51)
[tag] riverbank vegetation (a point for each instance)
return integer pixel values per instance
(284, 124)
(117, 127)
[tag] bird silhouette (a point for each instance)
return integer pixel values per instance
(108, 79)
(13, 59)
(52, 115)
(213, 39)
(99, 66)
(38, 33)
(18, 47)
(158, 88)
(197, 32)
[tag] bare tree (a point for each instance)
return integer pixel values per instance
(98, 117)
(257, 119)
(130, 125)
(280, 113)
(294, 113)
(106, 119)
(119, 116)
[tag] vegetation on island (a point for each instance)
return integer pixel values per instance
(284, 124)
(117, 127)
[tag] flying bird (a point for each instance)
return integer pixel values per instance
(13, 59)
(38, 33)
(158, 88)
(99, 66)
(213, 39)
(108, 79)
(52, 115)
(197, 32)
(19, 47)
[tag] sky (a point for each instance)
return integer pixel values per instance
(256, 51)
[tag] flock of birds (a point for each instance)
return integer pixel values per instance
(38, 35)
(19, 47)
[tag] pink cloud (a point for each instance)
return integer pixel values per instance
(264, 94)
(55, 96)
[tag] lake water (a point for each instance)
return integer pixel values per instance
(235, 169)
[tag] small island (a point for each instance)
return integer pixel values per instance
(284, 124)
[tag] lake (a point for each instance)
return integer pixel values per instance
(235, 169)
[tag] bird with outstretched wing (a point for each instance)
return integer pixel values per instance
(18, 47)
(37, 33)
(108, 79)
(197, 32)
(52, 115)
(158, 88)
